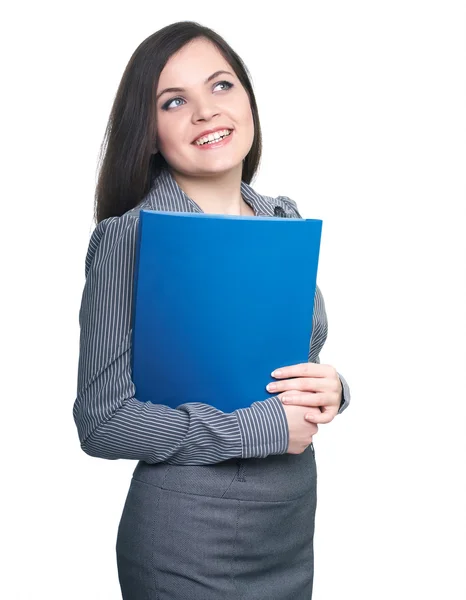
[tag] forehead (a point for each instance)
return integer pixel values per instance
(192, 64)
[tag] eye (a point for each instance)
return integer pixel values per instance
(227, 85)
(168, 103)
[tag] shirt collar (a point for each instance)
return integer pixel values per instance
(166, 195)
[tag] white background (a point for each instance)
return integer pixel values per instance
(363, 109)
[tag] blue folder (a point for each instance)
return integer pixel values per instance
(219, 302)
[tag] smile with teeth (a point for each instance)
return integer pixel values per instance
(213, 137)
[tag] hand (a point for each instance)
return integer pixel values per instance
(313, 385)
(300, 431)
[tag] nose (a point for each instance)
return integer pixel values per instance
(204, 110)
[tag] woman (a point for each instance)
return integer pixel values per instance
(220, 505)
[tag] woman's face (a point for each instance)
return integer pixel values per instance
(198, 92)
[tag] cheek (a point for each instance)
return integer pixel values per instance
(239, 107)
(249, 126)
(246, 117)
(251, 121)
(163, 134)
(169, 133)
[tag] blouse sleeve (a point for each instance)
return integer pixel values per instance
(111, 422)
(319, 335)
(319, 321)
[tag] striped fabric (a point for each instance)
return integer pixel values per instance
(111, 422)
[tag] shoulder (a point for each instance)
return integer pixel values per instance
(112, 234)
(269, 205)
(288, 205)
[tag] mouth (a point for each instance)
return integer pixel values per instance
(213, 138)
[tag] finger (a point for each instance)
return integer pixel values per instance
(317, 419)
(305, 384)
(301, 370)
(324, 417)
(313, 413)
(303, 398)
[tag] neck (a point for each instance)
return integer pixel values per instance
(214, 194)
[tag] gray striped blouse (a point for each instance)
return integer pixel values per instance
(111, 422)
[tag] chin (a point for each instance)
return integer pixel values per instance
(215, 168)
(220, 170)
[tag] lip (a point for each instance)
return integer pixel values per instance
(208, 131)
(215, 145)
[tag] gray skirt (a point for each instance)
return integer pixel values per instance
(235, 530)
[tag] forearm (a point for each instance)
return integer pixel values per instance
(113, 424)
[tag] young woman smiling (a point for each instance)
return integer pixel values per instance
(220, 505)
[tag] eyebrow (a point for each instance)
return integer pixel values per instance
(177, 90)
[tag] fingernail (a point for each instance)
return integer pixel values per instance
(271, 387)
(276, 373)
(285, 399)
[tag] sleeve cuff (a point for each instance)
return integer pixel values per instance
(264, 428)
(345, 396)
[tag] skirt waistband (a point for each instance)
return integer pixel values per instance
(276, 478)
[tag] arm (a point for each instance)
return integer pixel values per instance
(320, 324)
(345, 394)
(319, 335)
(111, 422)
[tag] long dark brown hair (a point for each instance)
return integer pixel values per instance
(127, 165)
